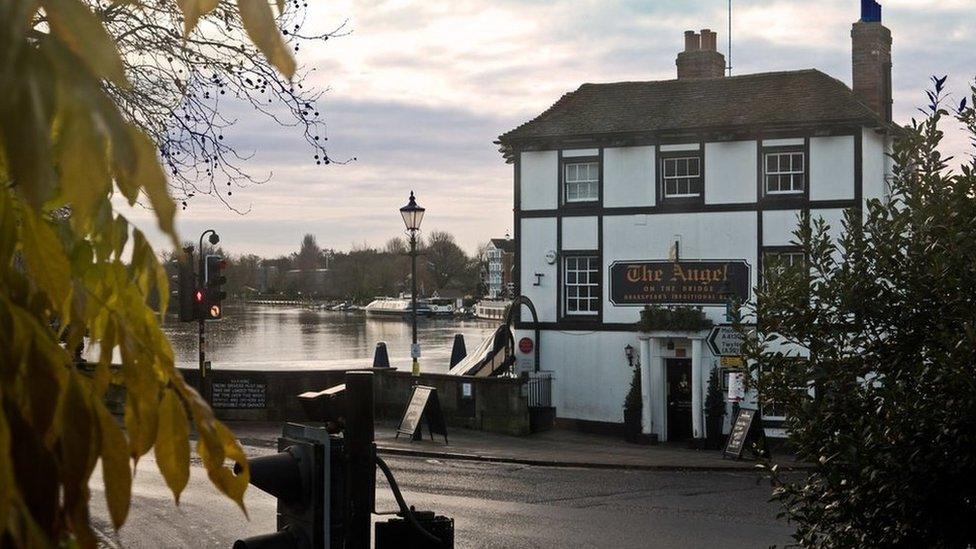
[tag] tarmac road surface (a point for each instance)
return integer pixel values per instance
(493, 505)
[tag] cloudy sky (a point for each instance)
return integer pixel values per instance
(417, 92)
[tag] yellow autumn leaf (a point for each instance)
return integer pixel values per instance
(149, 175)
(193, 10)
(172, 443)
(78, 28)
(78, 452)
(141, 419)
(216, 444)
(8, 228)
(45, 257)
(83, 161)
(260, 24)
(115, 466)
(7, 482)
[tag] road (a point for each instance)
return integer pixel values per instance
(494, 505)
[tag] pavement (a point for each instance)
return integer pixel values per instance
(555, 448)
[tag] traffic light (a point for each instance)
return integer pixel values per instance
(307, 477)
(187, 292)
(214, 294)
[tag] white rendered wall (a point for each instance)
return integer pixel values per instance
(873, 161)
(832, 167)
(590, 371)
(778, 227)
(592, 377)
(539, 179)
(705, 236)
(628, 176)
(730, 172)
(537, 237)
(580, 233)
(572, 153)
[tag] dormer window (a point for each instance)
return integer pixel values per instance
(784, 172)
(582, 181)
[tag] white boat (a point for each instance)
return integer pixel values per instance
(396, 307)
(440, 306)
(491, 309)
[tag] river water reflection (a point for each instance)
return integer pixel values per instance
(259, 337)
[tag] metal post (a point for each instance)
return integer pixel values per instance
(201, 285)
(360, 463)
(413, 297)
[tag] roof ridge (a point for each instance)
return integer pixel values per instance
(808, 96)
(717, 78)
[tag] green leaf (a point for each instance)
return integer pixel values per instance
(78, 28)
(115, 466)
(260, 25)
(172, 443)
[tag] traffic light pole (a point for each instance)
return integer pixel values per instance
(360, 465)
(202, 353)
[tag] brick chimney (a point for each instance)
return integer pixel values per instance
(871, 60)
(700, 58)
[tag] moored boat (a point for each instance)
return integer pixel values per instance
(396, 307)
(491, 309)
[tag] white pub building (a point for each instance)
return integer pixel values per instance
(615, 180)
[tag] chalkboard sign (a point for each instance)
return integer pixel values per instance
(239, 393)
(742, 428)
(423, 404)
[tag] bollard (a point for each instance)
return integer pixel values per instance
(458, 351)
(380, 358)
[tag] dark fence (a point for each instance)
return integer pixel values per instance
(539, 389)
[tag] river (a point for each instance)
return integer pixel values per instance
(262, 337)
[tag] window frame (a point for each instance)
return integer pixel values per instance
(777, 195)
(680, 199)
(768, 251)
(564, 312)
(566, 161)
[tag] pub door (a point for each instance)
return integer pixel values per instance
(679, 398)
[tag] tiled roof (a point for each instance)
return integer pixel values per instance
(771, 98)
(503, 244)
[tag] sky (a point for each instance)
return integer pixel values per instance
(417, 92)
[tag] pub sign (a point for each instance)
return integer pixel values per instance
(679, 282)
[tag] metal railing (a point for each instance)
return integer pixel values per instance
(539, 389)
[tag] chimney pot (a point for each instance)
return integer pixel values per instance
(700, 58)
(708, 40)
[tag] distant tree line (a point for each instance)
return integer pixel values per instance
(357, 275)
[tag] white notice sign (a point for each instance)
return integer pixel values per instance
(737, 386)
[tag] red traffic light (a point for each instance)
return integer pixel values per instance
(198, 296)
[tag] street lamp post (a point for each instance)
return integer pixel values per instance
(412, 216)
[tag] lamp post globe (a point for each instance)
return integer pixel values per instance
(412, 215)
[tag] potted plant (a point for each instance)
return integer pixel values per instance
(633, 405)
(673, 318)
(714, 410)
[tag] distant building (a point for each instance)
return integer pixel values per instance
(501, 257)
(677, 192)
(268, 280)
